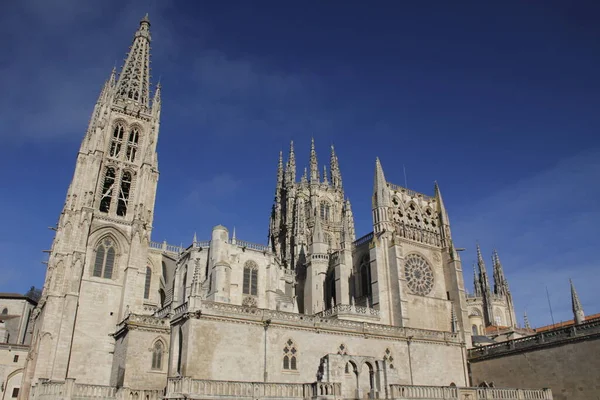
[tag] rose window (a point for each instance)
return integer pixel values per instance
(419, 275)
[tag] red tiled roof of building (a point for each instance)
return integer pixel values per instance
(564, 324)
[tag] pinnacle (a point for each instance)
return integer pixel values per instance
(145, 19)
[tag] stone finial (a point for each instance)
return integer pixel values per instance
(314, 165)
(526, 321)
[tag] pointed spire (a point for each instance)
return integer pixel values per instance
(576, 305)
(526, 320)
(314, 165)
(304, 178)
(485, 283)
(112, 80)
(233, 238)
(325, 180)
(194, 239)
(290, 169)
(441, 206)
(500, 282)
(334, 169)
(156, 101)
(381, 192)
(279, 174)
(476, 282)
(134, 80)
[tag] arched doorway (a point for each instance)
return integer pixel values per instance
(350, 381)
(366, 381)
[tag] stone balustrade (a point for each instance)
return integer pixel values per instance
(163, 312)
(349, 309)
(69, 390)
(181, 309)
(407, 392)
(552, 337)
(200, 388)
(168, 248)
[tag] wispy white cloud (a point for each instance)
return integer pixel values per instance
(545, 228)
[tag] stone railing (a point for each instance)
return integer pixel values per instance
(201, 388)
(555, 336)
(168, 248)
(472, 393)
(180, 309)
(69, 390)
(322, 322)
(202, 244)
(349, 309)
(251, 246)
(163, 312)
(362, 240)
(93, 391)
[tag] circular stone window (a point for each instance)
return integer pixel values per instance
(419, 275)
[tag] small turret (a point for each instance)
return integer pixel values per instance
(325, 180)
(156, 101)
(578, 313)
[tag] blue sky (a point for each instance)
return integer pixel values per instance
(497, 102)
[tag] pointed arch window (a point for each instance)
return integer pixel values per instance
(290, 356)
(365, 275)
(250, 278)
(105, 259)
(107, 189)
(124, 194)
(132, 144)
(147, 282)
(117, 141)
(157, 354)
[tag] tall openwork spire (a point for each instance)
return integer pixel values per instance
(476, 282)
(134, 81)
(334, 169)
(314, 165)
(290, 170)
(576, 304)
(500, 283)
(279, 174)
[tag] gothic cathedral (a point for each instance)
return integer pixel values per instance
(316, 309)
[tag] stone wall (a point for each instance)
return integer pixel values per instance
(12, 360)
(563, 360)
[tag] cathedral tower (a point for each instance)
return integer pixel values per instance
(295, 211)
(97, 262)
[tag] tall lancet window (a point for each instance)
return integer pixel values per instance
(117, 141)
(132, 144)
(105, 259)
(250, 278)
(107, 189)
(124, 193)
(157, 353)
(148, 282)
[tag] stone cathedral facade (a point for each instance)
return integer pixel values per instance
(314, 313)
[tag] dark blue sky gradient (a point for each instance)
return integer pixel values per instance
(497, 102)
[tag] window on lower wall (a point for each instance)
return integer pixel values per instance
(15, 358)
(157, 355)
(15, 393)
(290, 356)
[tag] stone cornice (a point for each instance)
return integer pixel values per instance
(144, 323)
